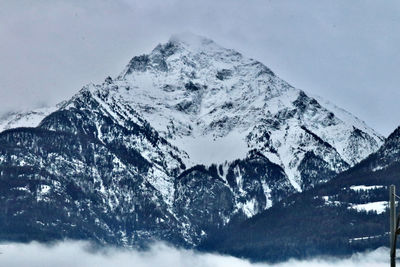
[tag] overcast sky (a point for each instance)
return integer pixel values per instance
(345, 51)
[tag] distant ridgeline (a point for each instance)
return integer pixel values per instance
(347, 214)
(196, 145)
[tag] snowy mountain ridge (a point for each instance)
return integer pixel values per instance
(185, 140)
(24, 119)
(215, 104)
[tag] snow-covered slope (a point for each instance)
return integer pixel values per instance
(347, 215)
(24, 119)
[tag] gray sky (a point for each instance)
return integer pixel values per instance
(345, 51)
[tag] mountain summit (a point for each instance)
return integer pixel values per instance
(216, 105)
(186, 139)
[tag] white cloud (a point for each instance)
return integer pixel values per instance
(79, 254)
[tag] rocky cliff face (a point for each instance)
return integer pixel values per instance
(185, 140)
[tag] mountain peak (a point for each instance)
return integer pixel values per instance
(187, 44)
(191, 40)
(202, 98)
(187, 53)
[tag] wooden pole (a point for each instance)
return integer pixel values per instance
(392, 226)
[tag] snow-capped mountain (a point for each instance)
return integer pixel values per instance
(216, 105)
(185, 140)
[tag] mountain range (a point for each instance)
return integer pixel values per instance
(190, 142)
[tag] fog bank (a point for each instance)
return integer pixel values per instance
(79, 254)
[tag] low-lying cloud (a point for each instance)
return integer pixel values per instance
(79, 254)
